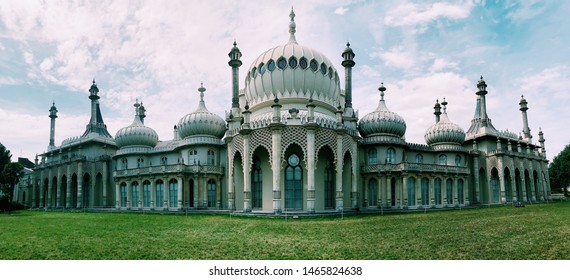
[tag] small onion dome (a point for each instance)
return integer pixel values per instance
(201, 121)
(382, 120)
(136, 134)
(444, 131)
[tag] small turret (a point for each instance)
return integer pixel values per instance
(348, 63)
(526, 130)
(52, 116)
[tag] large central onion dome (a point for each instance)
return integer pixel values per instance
(137, 134)
(201, 121)
(444, 131)
(292, 71)
(382, 121)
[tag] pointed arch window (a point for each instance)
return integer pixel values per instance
(411, 191)
(211, 157)
(437, 191)
(329, 185)
(164, 160)
(425, 191)
(193, 157)
(457, 160)
(442, 159)
(211, 193)
(140, 162)
(257, 184)
(419, 158)
(173, 193)
(123, 194)
(391, 156)
(135, 195)
(146, 194)
(125, 163)
(159, 193)
(372, 156)
(460, 196)
(449, 191)
(293, 183)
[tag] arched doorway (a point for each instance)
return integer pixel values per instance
(293, 183)
(508, 185)
(495, 185)
(212, 193)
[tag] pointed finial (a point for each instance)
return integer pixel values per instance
(93, 80)
(292, 27)
(444, 103)
(382, 89)
(235, 44)
(201, 89)
(348, 44)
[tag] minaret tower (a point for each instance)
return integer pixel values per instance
(526, 129)
(541, 140)
(482, 86)
(93, 91)
(234, 119)
(52, 116)
(348, 63)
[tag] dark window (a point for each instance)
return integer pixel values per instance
(330, 73)
(257, 184)
(292, 62)
(303, 63)
(314, 65)
(293, 184)
(329, 185)
(323, 68)
(253, 74)
(271, 65)
(211, 193)
(281, 63)
(261, 68)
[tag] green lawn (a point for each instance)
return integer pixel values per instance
(534, 232)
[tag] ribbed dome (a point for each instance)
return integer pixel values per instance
(201, 121)
(444, 132)
(136, 134)
(292, 71)
(382, 120)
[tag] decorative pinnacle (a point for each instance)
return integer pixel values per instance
(235, 44)
(444, 103)
(292, 27)
(201, 89)
(382, 89)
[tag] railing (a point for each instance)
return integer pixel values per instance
(175, 168)
(416, 167)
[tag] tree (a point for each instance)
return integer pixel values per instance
(5, 157)
(9, 178)
(559, 171)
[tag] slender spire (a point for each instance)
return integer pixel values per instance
(348, 63)
(382, 89)
(444, 103)
(292, 27)
(52, 116)
(202, 105)
(526, 129)
(437, 110)
(235, 63)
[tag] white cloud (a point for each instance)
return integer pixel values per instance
(9, 81)
(397, 57)
(442, 64)
(341, 10)
(417, 14)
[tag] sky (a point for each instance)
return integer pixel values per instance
(160, 51)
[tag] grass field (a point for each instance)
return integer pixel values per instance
(535, 232)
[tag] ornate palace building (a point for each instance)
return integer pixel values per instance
(291, 141)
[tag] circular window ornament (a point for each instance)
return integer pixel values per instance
(314, 65)
(281, 63)
(323, 68)
(303, 63)
(261, 68)
(293, 62)
(271, 65)
(293, 160)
